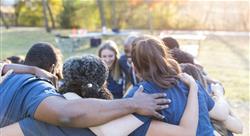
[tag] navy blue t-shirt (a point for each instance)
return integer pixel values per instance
(127, 69)
(31, 127)
(178, 94)
(20, 95)
(115, 87)
(123, 62)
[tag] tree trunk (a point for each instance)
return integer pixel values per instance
(113, 14)
(46, 25)
(101, 11)
(51, 15)
(4, 21)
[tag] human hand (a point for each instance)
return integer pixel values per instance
(189, 80)
(217, 90)
(47, 75)
(149, 104)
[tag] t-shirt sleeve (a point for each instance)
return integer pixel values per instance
(31, 127)
(209, 100)
(142, 130)
(35, 93)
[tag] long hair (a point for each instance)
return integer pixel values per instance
(115, 68)
(153, 62)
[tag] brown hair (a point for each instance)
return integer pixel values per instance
(115, 68)
(181, 56)
(170, 42)
(153, 62)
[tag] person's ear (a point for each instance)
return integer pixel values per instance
(52, 69)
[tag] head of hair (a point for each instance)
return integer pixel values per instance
(86, 77)
(129, 40)
(170, 42)
(153, 62)
(182, 56)
(16, 59)
(45, 56)
(195, 72)
(115, 68)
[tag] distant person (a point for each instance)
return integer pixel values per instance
(126, 62)
(16, 59)
(116, 81)
(170, 42)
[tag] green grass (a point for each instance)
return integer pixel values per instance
(227, 59)
(224, 58)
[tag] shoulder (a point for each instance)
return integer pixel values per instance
(122, 59)
(131, 92)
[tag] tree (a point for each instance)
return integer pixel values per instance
(46, 24)
(51, 15)
(3, 20)
(101, 11)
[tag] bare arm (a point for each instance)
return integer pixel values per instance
(220, 111)
(91, 112)
(233, 124)
(11, 130)
(124, 125)
(189, 120)
(18, 68)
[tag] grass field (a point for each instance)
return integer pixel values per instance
(225, 58)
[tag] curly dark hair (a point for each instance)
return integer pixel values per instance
(86, 77)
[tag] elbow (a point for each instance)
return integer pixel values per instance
(69, 119)
(221, 117)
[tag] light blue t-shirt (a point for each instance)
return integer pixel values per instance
(20, 95)
(178, 95)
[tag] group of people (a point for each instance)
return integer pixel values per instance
(142, 92)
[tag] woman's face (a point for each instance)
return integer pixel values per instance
(108, 56)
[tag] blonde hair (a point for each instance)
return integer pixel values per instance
(115, 68)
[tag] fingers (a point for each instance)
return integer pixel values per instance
(159, 95)
(163, 101)
(161, 107)
(158, 115)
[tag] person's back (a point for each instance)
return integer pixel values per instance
(32, 127)
(159, 73)
(178, 94)
(17, 101)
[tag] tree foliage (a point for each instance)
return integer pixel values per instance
(136, 14)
